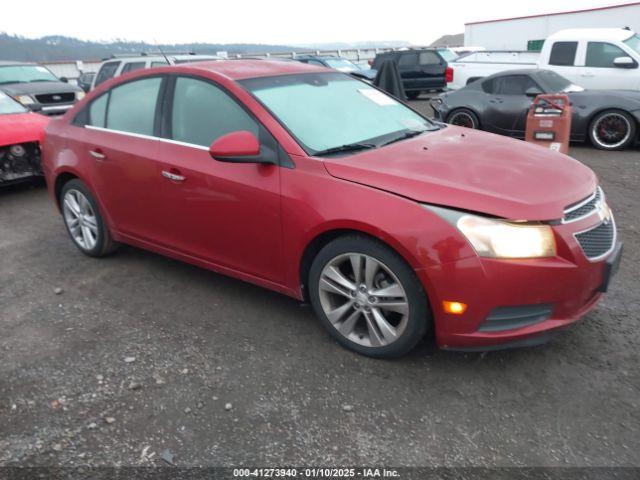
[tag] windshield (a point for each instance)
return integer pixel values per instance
(447, 54)
(342, 64)
(25, 74)
(634, 43)
(329, 110)
(8, 105)
(556, 83)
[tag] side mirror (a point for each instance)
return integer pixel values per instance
(625, 62)
(533, 92)
(240, 147)
(64, 79)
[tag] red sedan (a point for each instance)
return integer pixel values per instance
(20, 134)
(319, 186)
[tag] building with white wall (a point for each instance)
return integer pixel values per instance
(529, 32)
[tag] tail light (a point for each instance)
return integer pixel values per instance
(449, 74)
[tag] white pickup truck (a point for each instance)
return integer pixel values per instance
(593, 58)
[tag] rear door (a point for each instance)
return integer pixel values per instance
(119, 142)
(508, 104)
(409, 70)
(432, 68)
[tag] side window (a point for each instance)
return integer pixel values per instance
(132, 106)
(513, 85)
(408, 60)
(563, 54)
(98, 111)
(203, 112)
(131, 66)
(602, 55)
(107, 71)
(429, 58)
(162, 63)
(489, 86)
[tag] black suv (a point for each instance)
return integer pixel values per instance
(35, 87)
(420, 69)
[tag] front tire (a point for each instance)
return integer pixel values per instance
(612, 130)
(369, 299)
(83, 220)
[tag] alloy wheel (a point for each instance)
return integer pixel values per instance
(363, 299)
(80, 219)
(611, 130)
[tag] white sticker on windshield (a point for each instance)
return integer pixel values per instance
(378, 97)
(41, 69)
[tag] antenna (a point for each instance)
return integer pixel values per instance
(158, 47)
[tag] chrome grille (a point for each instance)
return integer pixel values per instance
(598, 241)
(584, 207)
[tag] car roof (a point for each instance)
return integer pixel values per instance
(575, 34)
(243, 69)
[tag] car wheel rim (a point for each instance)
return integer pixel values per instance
(364, 300)
(463, 119)
(611, 130)
(81, 219)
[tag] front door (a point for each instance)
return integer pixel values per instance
(225, 213)
(508, 104)
(600, 71)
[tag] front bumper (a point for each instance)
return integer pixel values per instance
(51, 109)
(515, 303)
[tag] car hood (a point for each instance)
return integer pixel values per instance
(474, 171)
(37, 88)
(21, 128)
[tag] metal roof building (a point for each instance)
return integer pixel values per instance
(529, 32)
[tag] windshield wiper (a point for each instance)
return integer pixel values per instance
(352, 147)
(405, 136)
(6, 82)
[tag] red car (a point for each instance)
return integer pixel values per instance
(20, 134)
(319, 186)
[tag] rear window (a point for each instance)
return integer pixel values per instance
(563, 54)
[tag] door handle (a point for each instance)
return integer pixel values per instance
(97, 154)
(174, 177)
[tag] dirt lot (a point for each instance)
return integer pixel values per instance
(138, 354)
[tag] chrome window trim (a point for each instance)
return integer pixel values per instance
(148, 137)
(613, 242)
(582, 204)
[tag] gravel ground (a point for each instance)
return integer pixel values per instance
(112, 362)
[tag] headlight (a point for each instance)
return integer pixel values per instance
(17, 151)
(495, 238)
(79, 95)
(25, 99)
(501, 239)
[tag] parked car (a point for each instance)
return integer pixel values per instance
(85, 80)
(114, 67)
(390, 224)
(499, 104)
(338, 63)
(20, 134)
(35, 87)
(596, 58)
(420, 69)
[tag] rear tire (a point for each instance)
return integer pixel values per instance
(464, 117)
(382, 311)
(83, 220)
(612, 130)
